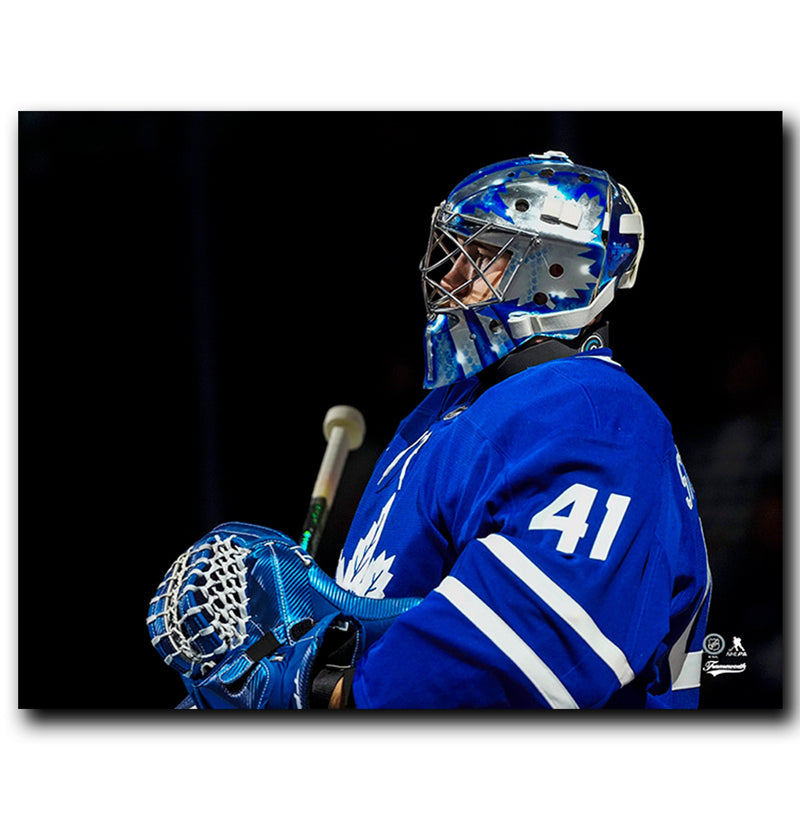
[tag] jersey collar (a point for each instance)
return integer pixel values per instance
(538, 350)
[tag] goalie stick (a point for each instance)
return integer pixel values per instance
(344, 430)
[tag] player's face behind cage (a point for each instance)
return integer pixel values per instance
(462, 270)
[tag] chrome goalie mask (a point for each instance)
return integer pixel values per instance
(535, 246)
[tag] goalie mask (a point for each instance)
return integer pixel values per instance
(535, 246)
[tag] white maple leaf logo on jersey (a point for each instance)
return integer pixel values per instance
(366, 573)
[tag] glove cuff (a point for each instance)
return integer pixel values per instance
(324, 683)
(341, 647)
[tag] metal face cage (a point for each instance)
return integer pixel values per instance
(477, 247)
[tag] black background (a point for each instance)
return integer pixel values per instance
(196, 289)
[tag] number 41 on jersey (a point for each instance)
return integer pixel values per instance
(574, 526)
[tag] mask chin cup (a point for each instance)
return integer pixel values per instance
(523, 325)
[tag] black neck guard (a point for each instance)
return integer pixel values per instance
(539, 349)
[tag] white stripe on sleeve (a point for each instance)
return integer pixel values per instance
(689, 675)
(561, 603)
(508, 641)
(685, 666)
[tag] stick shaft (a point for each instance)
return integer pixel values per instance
(330, 472)
(316, 518)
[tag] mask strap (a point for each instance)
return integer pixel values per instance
(540, 349)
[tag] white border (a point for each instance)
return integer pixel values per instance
(256, 55)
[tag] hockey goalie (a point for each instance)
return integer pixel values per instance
(530, 538)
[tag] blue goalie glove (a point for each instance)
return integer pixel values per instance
(299, 674)
(249, 620)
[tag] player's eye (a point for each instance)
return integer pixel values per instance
(484, 257)
(475, 251)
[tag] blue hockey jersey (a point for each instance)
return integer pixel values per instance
(552, 530)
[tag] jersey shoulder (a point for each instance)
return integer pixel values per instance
(585, 395)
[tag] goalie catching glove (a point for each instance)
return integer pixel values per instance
(298, 674)
(249, 620)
